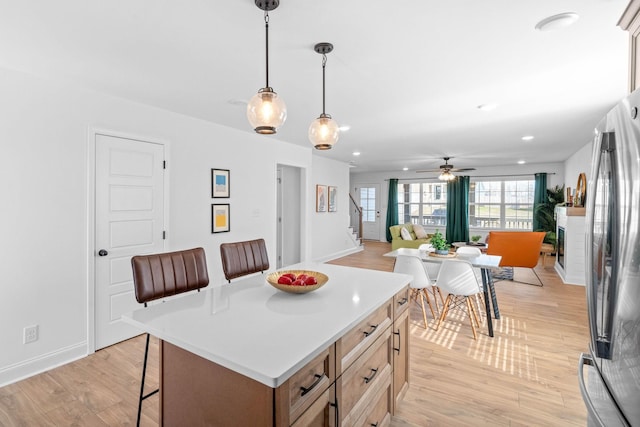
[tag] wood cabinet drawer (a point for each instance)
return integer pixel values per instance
(363, 380)
(378, 412)
(400, 302)
(357, 340)
(321, 413)
(304, 388)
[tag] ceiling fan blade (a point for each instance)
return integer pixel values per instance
(462, 169)
(430, 171)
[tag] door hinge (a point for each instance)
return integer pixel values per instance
(164, 164)
(164, 235)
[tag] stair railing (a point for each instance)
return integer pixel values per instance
(357, 209)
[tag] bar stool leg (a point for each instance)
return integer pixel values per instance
(144, 374)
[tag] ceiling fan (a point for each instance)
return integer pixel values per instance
(446, 169)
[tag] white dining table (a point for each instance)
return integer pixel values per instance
(484, 262)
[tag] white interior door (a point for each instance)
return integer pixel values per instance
(289, 213)
(129, 220)
(370, 203)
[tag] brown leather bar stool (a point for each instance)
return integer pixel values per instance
(242, 258)
(163, 275)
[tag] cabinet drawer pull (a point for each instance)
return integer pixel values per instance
(372, 376)
(373, 329)
(312, 386)
(399, 341)
(403, 301)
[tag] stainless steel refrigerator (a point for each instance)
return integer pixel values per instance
(610, 373)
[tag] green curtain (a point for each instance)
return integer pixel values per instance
(458, 210)
(539, 197)
(392, 207)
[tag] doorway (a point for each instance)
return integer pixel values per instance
(369, 195)
(128, 219)
(289, 215)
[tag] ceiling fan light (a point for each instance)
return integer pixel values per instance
(324, 132)
(446, 176)
(266, 111)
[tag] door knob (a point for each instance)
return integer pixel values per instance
(103, 252)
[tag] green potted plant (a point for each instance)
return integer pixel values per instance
(476, 238)
(546, 213)
(439, 243)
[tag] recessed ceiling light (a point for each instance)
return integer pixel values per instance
(521, 162)
(487, 107)
(528, 137)
(344, 128)
(356, 153)
(557, 22)
(405, 168)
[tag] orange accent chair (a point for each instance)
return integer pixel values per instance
(517, 249)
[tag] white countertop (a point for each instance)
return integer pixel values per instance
(265, 334)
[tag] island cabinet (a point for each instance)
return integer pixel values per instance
(351, 383)
(400, 346)
(246, 354)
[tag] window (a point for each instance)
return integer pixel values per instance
(506, 205)
(423, 203)
(501, 204)
(368, 203)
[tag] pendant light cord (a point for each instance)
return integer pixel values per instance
(266, 29)
(324, 63)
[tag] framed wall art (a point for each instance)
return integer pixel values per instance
(321, 198)
(220, 218)
(333, 195)
(219, 183)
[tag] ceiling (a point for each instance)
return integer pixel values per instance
(406, 76)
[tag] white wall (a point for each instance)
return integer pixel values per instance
(555, 177)
(579, 162)
(44, 224)
(329, 229)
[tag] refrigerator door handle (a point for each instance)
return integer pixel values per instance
(586, 359)
(602, 409)
(600, 279)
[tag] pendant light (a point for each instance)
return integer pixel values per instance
(324, 131)
(266, 111)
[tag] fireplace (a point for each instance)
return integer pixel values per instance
(560, 251)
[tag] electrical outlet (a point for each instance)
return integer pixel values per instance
(30, 334)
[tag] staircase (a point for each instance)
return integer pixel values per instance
(354, 236)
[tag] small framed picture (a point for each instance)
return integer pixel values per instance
(333, 194)
(220, 218)
(219, 183)
(321, 198)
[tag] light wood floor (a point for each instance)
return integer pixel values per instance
(526, 375)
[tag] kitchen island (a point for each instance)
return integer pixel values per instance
(246, 353)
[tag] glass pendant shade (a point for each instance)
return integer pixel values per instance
(266, 111)
(446, 176)
(324, 132)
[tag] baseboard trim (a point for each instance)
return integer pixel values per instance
(36, 365)
(340, 254)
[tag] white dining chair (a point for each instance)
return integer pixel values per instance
(458, 280)
(471, 252)
(432, 267)
(421, 285)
